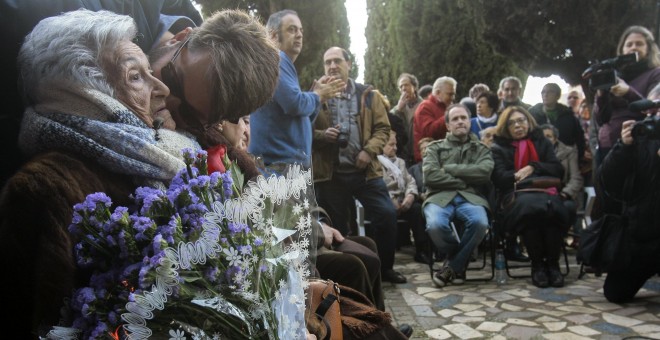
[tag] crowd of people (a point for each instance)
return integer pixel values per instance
(101, 113)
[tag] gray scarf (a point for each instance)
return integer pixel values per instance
(98, 127)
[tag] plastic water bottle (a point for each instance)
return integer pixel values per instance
(500, 267)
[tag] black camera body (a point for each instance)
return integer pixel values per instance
(602, 74)
(343, 136)
(649, 128)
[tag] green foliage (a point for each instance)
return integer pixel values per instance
(431, 39)
(560, 37)
(325, 24)
(473, 41)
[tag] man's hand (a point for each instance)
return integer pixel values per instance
(362, 160)
(620, 88)
(331, 234)
(403, 101)
(626, 132)
(331, 134)
(328, 87)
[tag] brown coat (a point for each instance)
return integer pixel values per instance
(36, 208)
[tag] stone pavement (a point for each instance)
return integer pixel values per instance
(518, 310)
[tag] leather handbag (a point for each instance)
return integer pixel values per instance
(541, 182)
(534, 184)
(324, 303)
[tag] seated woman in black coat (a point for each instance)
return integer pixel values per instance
(521, 153)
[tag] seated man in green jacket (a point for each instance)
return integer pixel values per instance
(454, 168)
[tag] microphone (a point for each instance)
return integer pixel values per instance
(644, 104)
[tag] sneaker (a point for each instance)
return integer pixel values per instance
(459, 279)
(443, 277)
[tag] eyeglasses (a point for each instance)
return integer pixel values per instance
(519, 121)
(187, 111)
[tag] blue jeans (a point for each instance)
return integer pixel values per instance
(337, 195)
(475, 221)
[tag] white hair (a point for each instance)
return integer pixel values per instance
(68, 50)
(444, 80)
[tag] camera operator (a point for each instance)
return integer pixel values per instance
(635, 155)
(634, 82)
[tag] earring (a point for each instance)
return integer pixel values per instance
(221, 126)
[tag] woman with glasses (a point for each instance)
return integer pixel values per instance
(521, 154)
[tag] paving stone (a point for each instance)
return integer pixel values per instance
(489, 326)
(510, 307)
(646, 329)
(580, 318)
(565, 336)
(620, 320)
(467, 307)
(546, 318)
(555, 326)
(521, 322)
(578, 309)
(521, 332)
(463, 331)
(482, 309)
(476, 313)
(438, 333)
(423, 311)
(468, 319)
(413, 299)
(583, 330)
(447, 313)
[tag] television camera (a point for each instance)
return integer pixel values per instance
(602, 74)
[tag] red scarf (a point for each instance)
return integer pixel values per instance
(525, 153)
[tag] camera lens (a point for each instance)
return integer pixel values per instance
(649, 127)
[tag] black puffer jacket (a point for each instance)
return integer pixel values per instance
(641, 163)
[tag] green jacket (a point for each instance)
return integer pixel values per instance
(451, 167)
(375, 132)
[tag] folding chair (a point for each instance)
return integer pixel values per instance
(488, 243)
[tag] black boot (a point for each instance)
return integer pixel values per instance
(513, 251)
(539, 275)
(555, 278)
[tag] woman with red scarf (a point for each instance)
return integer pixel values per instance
(521, 152)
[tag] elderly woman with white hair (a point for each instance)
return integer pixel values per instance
(96, 122)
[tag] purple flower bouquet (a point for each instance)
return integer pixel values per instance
(205, 258)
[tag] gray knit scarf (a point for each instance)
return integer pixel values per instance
(98, 127)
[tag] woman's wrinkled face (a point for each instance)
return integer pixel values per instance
(236, 134)
(390, 148)
(518, 125)
(129, 73)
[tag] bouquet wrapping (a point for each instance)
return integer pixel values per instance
(205, 258)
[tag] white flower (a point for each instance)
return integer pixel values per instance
(302, 223)
(232, 256)
(177, 335)
(297, 209)
(306, 203)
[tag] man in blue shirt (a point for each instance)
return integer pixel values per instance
(281, 130)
